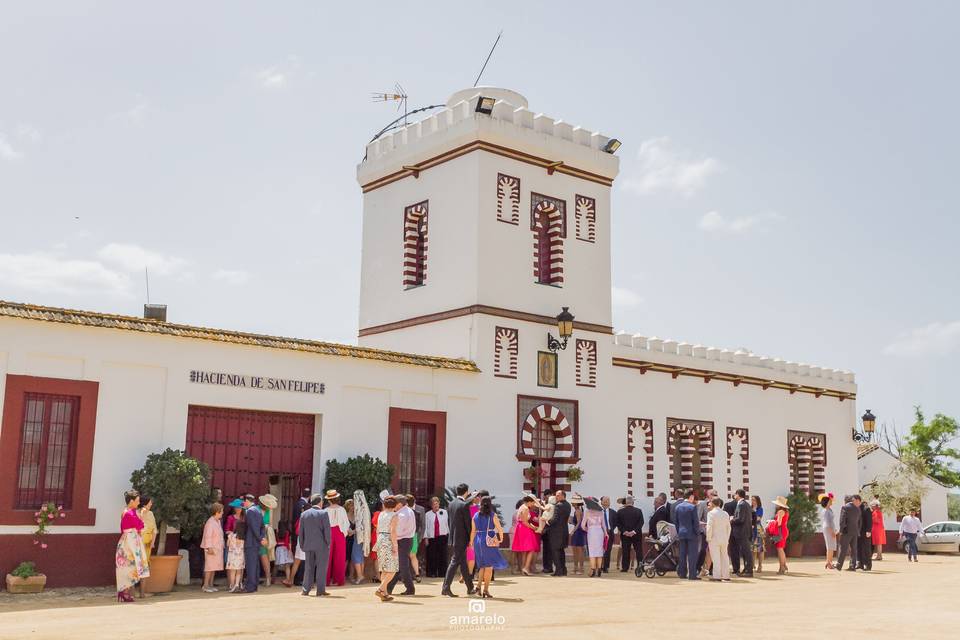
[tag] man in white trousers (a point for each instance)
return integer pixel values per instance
(718, 537)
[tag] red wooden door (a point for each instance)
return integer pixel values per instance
(416, 469)
(245, 448)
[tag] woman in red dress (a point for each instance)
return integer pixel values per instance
(779, 528)
(878, 533)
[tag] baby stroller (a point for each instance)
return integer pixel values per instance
(661, 558)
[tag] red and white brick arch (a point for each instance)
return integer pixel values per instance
(564, 454)
(415, 244)
(548, 254)
(586, 354)
(506, 349)
(738, 459)
(508, 193)
(690, 447)
(585, 215)
(807, 459)
(640, 432)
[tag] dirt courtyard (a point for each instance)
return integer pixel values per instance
(896, 600)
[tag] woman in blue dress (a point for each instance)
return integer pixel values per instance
(578, 541)
(486, 536)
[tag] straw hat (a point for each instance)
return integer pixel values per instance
(269, 501)
(576, 499)
(824, 495)
(781, 502)
(331, 494)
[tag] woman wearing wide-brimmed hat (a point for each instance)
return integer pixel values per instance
(829, 527)
(269, 503)
(339, 527)
(578, 541)
(779, 532)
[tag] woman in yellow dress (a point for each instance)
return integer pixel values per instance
(149, 531)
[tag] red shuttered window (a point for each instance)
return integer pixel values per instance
(46, 462)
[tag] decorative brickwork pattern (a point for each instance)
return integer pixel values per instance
(548, 221)
(415, 244)
(506, 348)
(585, 215)
(586, 363)
(641, 428)
(738, 459)
(807, 458)
(508, 199)
(690, 448)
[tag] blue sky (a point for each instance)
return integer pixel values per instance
(788, 173)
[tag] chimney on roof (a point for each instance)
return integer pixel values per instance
(156, 312)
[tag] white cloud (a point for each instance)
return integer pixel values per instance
(661, 168)
(46, 273)
(713, 221)
(937, 338)
(29, 132)
(231, 276)
(625, 298)
(131, 257)
(278, 76)
(136, 115)
(7, 152)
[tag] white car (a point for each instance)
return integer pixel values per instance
(940, 536)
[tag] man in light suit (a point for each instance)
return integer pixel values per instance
(459, 538)
(256, 537)
(315, 544)
(610, 517)
(849, 530)
(741, 525)
(688, 531)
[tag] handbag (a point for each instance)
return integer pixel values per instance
(494, 541)
(773, 531)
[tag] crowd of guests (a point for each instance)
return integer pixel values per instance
(324, 543)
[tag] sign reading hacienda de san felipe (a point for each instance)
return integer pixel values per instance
(256, 382)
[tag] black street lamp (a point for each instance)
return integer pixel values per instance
(564, 327)
(869, 424)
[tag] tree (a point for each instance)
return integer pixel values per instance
(953, 506)
(901, 490)
(180, 488)
(371, 475)
(930, 441)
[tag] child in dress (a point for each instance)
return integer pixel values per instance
(212, 545)
(284, 558)
(235, 562)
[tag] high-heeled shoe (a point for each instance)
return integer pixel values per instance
(486, 594)
(525, 572)
(123, 596)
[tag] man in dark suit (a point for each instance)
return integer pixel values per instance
(864, 543)
(315, 544)
(730, 506)
(545, 551)
(741, 524)
(610, 518)
(661, 513)
(460, 524)
(688, 530)
(559, 534)
(630, 524)
(256, 537)
(849, 530)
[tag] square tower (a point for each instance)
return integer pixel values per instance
(483, 209)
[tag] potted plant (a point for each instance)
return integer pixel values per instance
(530, 473)
(25, 579)
(574, 474)
(369, 474)
(180, 488)
(803, 522)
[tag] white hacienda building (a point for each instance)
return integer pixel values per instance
(481, 222)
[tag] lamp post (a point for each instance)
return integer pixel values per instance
(564, 328)
(869, 424)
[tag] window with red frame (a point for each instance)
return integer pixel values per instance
(47, 450)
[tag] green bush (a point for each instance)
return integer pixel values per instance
(24, 570)
(803, 517)
(371, 475)
(180, 488)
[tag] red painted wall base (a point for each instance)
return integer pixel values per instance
(70, 559)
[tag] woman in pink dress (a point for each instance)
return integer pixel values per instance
(526, 540)
(131, 556)
(212, 545)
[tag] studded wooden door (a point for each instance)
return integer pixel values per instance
(245, 448)
(416, 472)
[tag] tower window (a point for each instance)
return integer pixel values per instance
(548, 223)
(415, 244)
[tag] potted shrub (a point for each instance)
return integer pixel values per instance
(369, 474)
(25, 579)
(574, 474)
(803, 522)
(180, 488)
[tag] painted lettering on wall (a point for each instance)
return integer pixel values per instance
(256, 382)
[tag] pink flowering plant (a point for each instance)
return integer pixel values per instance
(46, 516)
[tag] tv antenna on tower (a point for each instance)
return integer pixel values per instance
(399, 96)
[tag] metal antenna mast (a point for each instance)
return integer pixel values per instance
(146, 277)
(482, 69)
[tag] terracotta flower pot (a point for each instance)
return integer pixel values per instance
(795, 549)
(163, 574)
(33, 584)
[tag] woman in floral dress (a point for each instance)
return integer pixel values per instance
(388, 556)
(131, 558)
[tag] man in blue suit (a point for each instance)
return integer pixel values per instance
(256, 537)
(315, 544)
(688, 530)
